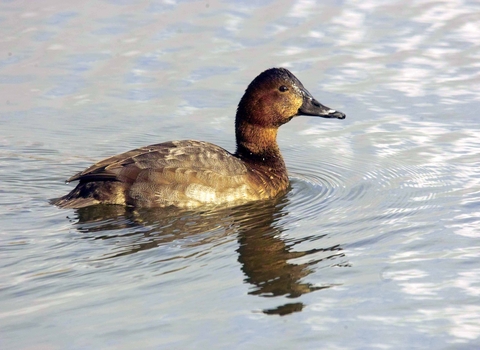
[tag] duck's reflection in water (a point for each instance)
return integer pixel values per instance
(265, 256)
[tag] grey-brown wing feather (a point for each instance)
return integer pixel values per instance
(180, 156)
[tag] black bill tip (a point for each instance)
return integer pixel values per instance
(336, 114)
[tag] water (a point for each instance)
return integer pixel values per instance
(375, 245)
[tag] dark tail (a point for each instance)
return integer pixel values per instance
(91, 193)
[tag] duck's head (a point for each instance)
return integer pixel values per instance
(276, 96)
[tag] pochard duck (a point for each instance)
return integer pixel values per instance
(189, 174)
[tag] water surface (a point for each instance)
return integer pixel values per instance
(376, 245)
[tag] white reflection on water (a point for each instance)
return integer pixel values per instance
(438, 14)
(469, 282)
(468, 224)
(464, 321)
(302, 8)
(354, 21)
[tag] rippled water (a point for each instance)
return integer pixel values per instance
(374, 246)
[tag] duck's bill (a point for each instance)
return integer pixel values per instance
(312, 107)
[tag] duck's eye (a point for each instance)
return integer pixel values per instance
(283, 88)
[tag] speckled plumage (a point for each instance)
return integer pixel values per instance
(188, 174)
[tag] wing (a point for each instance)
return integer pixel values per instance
(164, 157)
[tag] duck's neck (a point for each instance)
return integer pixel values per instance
(258, 144)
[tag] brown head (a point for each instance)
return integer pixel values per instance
(272, 99)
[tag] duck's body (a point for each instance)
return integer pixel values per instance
(188, 174)
(183, 174)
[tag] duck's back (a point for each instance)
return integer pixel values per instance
(179, 173)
